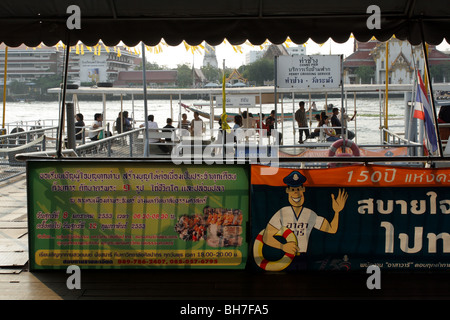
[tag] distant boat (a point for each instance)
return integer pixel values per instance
(231, 115)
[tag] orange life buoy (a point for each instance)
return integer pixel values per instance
(277, 265)
(348, 143)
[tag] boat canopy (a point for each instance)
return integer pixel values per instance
(131, 21)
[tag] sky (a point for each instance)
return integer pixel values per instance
(173, 56)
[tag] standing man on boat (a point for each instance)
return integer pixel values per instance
(300, 117)
(335, 122)
(197, 125)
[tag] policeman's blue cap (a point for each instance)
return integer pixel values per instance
(294, 179)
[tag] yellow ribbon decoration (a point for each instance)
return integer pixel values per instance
(224, 116)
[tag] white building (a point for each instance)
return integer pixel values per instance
(28, 64)
(253, 55)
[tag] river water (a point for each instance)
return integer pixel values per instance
(367, 120)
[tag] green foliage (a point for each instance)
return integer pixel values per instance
(185, 76)
(365, 73)
(259, 71)
(212, 74)
(150, 66)
(48, 82)
(440, 72)
(17, 87)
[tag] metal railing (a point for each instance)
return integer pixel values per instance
(36, 140)
(130, 145)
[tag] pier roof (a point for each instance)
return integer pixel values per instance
(33, 22)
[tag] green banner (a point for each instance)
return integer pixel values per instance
(101, 214)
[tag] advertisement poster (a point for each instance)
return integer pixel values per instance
(350, 217)
(137, 215)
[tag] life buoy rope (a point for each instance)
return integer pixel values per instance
(277, 265)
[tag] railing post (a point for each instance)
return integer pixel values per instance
(131, 144)
(108, 144)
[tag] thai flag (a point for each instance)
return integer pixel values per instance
(423, 111)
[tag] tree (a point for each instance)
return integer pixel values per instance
(212, 74)
(17, 87)
(365, 73)
(150, 66)
(440, 72)
(259, 71)
(47, 82)
(185, 76)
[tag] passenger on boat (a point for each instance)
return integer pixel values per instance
(329, 134)
(94, 135)
(196, 125)
(229, 136)
(270, 123)
(248, 124)
(185, 125)
(123, 123)
(79, 126)
(444, 117)
(347, 119)
(300, 117)
(237, 122)
(237, 128)
(313, 107)
(152, 126)
(261, 120)
(247, 120)
(335, 122)
(316, 132)
(169, 128)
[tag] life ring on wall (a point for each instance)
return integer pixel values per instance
(276, 265)
(348, 144)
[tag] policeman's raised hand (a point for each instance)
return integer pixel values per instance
(339, 202)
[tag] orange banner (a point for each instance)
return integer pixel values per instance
(356, 176)
(382, 152)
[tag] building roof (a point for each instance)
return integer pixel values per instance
(362, 55)
(436, 57)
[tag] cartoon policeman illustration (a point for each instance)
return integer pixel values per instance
(294, 223)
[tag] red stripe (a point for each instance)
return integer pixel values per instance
(419, 114)
(263, 264)
(287, 233)
(289, 255)
(259, 237)
(422, 86)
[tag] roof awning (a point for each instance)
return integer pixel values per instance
(33, 22)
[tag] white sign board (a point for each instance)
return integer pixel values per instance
(305, 72)
(237, 101)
